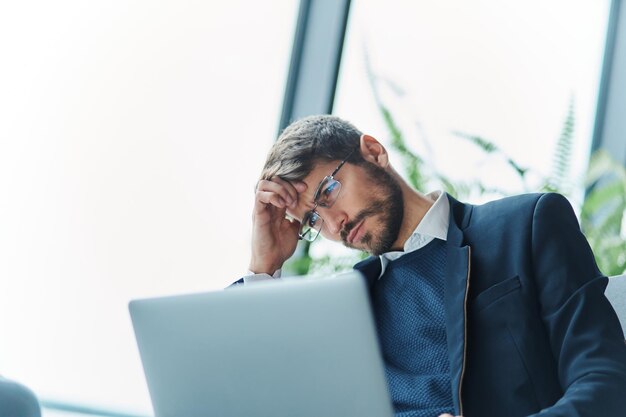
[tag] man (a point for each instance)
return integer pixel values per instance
(491, 310)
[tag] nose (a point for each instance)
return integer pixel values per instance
(334, 221)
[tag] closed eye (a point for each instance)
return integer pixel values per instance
(328, 190)
(313, 219)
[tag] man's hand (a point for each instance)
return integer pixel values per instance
(448, 415)
(274, 238)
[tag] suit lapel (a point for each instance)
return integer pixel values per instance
(458, 266)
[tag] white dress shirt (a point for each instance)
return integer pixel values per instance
(434, 224)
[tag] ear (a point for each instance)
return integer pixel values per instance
(373, 151)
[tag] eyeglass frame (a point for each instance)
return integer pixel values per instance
(311, 212)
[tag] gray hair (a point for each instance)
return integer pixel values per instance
(313, 139)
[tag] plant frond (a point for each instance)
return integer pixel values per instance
(561, 159)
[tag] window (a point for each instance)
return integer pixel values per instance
(507, 71)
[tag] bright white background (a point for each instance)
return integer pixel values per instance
(131, 136)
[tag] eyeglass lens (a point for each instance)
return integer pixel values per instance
(327, 192)
(325, 196)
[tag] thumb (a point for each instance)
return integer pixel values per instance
(291, 224)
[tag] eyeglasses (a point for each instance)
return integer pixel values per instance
(325, 196)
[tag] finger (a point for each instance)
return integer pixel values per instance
(279, 198)
(266, 198)
(290, 226)
(293, 193)
(300, 186)
(268, 215)
(287, 222)
(275, 187)
(292, 219)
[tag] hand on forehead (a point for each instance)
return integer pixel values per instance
(308, 187)
(302, 190)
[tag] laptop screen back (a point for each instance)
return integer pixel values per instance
(290, 348)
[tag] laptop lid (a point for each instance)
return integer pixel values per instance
(284, 348)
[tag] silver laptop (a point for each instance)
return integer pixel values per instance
(284, 348)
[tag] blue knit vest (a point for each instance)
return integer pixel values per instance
(408, 302)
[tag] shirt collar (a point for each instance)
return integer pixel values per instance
(434, 225)
(436, 220)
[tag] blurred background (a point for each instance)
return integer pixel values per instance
(132, 134)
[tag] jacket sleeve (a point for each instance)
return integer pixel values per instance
(252, 277)
(238, 282)
(585, 335)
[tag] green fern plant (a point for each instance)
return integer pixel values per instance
(603, 212)
(491, 148)
(559, 181)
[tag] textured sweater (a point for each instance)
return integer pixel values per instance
(408, 302)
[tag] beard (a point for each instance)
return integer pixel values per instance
(388, 206)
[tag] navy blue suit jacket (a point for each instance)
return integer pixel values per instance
(529, 329)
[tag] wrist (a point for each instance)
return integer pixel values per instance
(264, 267)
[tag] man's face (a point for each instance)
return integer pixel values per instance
(368, 212)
